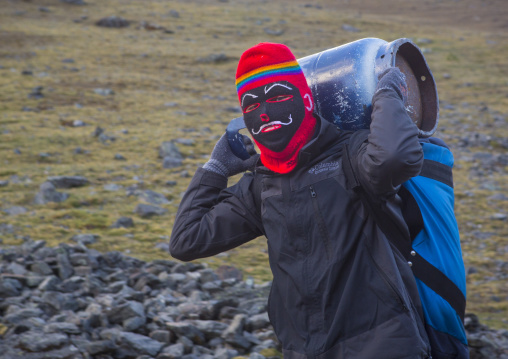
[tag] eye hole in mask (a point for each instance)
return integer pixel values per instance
(278, 98)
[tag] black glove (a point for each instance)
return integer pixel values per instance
(393, 79)
(224, 162)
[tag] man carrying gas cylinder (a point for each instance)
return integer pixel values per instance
(339, 290)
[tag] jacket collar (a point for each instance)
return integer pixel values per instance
(326, 136)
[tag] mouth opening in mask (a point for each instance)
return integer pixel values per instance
(272, 126)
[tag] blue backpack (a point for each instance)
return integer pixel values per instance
(433, 249)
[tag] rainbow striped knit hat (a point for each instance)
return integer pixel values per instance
(266, 63)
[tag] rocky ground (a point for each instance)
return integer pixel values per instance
(108, 107)
(72, 302)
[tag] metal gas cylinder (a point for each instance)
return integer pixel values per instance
(343, 80)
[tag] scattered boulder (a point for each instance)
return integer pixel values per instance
(112, 187)
(48, 193)
(169, 149)
(147, 211)
(72, 123)
(36, 93)
(113, 22)
(15, 210)
(104, 92)
(185, 141)
(170, 154)
(74, 2)
(171, 162)
(68, 181)
(153, 197)
(174, 13)
(85, 238)
(350, 28)
(274, 31)
(214, 59)
(123, 222)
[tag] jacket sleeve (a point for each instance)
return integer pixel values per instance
(392, 154)
(212, 218)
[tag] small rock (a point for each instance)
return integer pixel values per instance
(163, 336)
(113, 22)
(37, 342)
(41, 268)
(85, 238)
(98, 131)
(147, 211)
(424, 41)
(213, 59)
(185, 141)
(47, 193)
(123, 222)
(174, 351)
(141, 344)
(15, 210)
(68, 181)
(112, 187)
(171, 162)
(104, 92)
(274, 32)
(36, 93)
(67, 328)
(499, 217)
(100, 347)
(154, 197)
(349, 28)
(174, 13)
(74, 2)
(169, 149)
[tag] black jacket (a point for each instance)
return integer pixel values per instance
(339, 290)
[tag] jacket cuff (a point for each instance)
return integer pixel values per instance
(212, 179)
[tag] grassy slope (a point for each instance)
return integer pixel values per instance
(148, 69)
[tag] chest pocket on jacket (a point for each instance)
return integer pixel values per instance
(332, 212)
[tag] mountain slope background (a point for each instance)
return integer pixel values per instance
(108, 103)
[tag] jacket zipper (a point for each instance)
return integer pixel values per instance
(321, 222)
(398, 296)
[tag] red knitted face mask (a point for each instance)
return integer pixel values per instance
(277, 104)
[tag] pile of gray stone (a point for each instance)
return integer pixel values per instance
(72, 302)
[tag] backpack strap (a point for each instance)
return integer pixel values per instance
(422, 269)
(437, 171)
